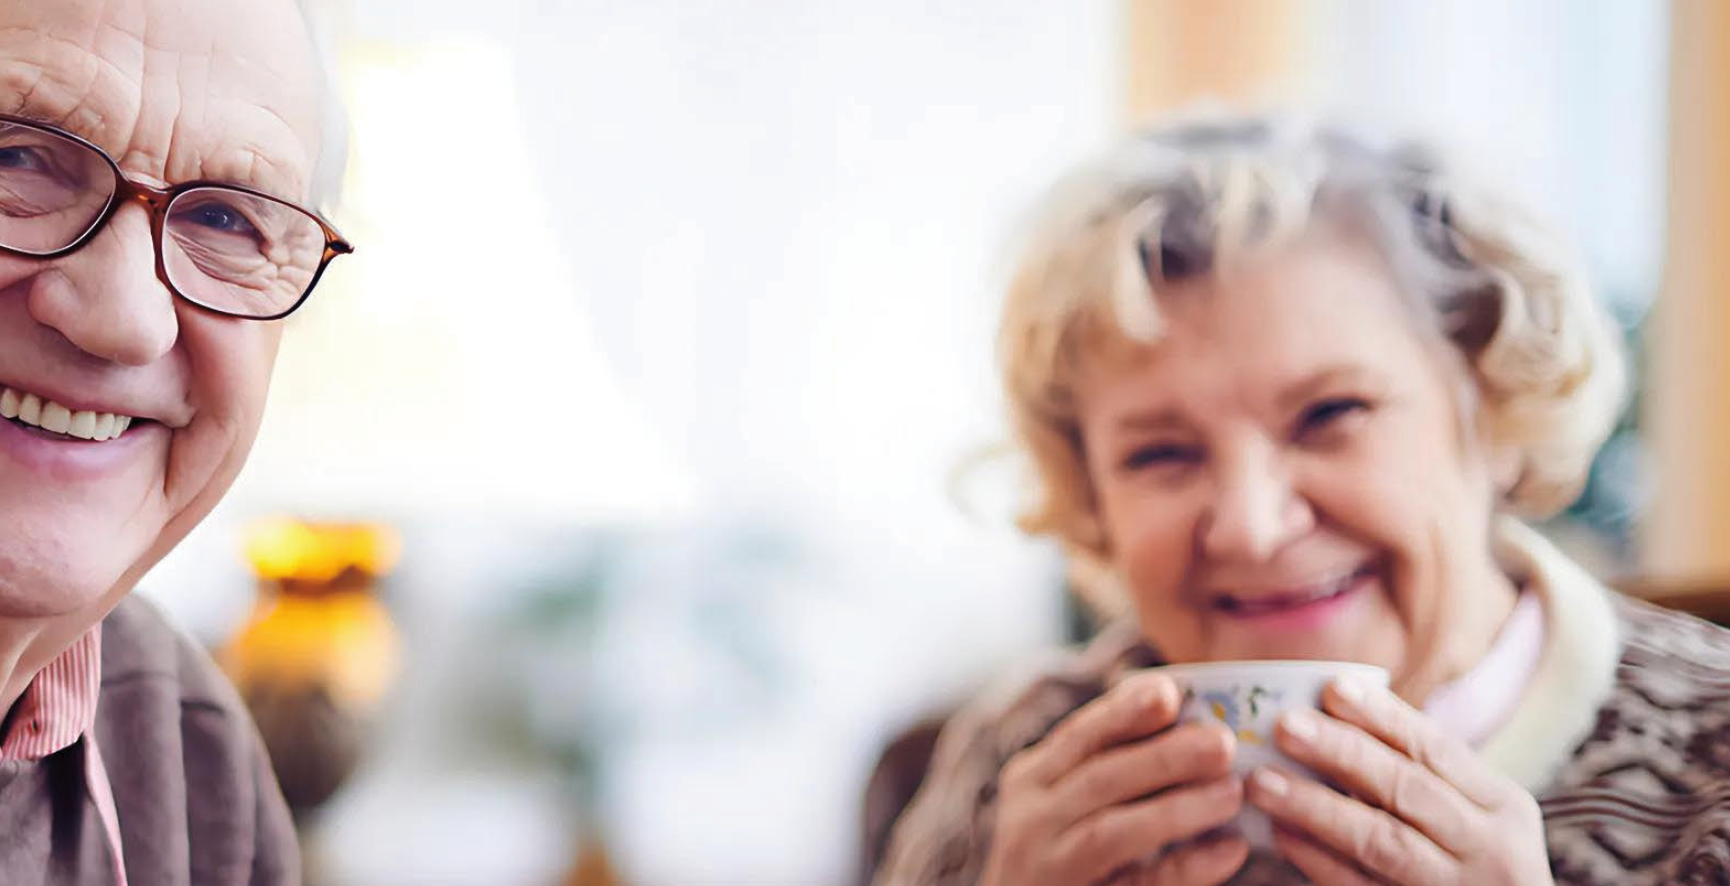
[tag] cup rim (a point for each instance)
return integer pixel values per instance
(1263, 666)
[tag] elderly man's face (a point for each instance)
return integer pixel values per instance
(175, 90)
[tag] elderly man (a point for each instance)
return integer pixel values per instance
(156, 159)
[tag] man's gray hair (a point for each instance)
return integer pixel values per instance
(332, 163)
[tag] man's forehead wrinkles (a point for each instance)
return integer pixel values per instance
(255, 147)
(287, 172)
(273, 176)
(36, 96)
(99, 119)
(107, 57)
(170, 101)
(82, 96)
(215, 137)
(133, 30)
(151, 145)
(23, 80)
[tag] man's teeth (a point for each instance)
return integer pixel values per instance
(51, 416)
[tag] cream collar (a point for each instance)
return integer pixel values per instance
(1576, 670)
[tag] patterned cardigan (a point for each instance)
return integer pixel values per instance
(1623, 735)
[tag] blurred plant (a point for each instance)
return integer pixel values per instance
(1611, 503)
(637, 637)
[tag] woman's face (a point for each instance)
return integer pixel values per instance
(1284, 474)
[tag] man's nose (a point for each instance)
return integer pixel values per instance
(106, 298)
(1256, 510)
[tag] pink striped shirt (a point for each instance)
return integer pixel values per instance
(55, 711)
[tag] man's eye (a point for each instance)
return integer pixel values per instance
(22, 159)
(1160, 454)
(1324, 414)
(218, 217)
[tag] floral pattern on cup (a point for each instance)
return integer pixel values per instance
(1240, 708)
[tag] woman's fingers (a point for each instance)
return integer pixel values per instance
(1377, 841)
(1368, 768)
(1207, 862)
(1134, 832)
(1423, 810)
(1401, 727)
(1192, 752)
(1319, 864)
(1135, 708)
(1095, 796)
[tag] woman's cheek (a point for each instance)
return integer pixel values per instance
(1154, 560)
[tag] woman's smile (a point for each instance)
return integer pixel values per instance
(1296, 608)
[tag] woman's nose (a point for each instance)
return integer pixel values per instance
(106, 299)
(1256, 510)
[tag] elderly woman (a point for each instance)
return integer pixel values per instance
(157, 161)
(1286, 391)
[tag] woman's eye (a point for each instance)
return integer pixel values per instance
(1160, 454)
(1324, 414)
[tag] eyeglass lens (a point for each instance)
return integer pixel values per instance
(226, 249)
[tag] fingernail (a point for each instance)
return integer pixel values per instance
(1150, 692)
(1301, 724)
(1349, 690)
(1270, 782)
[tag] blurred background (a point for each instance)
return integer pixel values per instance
(640, 426)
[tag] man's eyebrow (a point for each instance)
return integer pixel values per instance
(30, 111)
(30, 108)
(253, 172)
(250, 169)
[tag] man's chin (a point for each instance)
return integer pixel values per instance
(42, 577)
(36, 597)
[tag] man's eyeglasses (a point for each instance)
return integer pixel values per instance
(228, 249)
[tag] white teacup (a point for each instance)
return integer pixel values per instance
(1248, 697)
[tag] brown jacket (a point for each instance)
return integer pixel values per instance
(197, 803)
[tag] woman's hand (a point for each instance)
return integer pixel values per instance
(1422, 809)
(1109, 788)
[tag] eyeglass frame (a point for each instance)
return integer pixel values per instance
(157, 200)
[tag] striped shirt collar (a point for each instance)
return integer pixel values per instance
(59, 706)
(54, 713)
